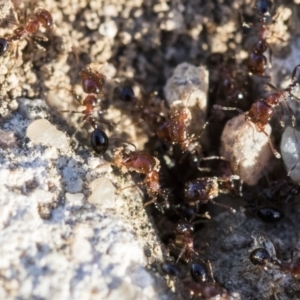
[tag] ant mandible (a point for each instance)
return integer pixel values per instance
(41, 18)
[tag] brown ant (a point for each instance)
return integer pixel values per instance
(142, 163)
(257, 61)
(261, 257)
(263, 110)
(205, 189)
(183, 242)
(41, 18)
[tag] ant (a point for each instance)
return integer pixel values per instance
(206, 290)
(205, 189)
(261, 257)
(282, 190)
(142, 163)
(172, 129)
(257, 61)
(183, 241)
(41, 18)
(92, 84)
(263, 110)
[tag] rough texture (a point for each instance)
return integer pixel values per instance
(53, 241)
(290, 152)
(58, 240)
(246, 148)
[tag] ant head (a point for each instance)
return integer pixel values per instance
(184, 226)
(44, 17)
(3, 46)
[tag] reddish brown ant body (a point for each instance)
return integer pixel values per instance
(257, 61)
(205, 189)
(206, 290)
(174, 129)
(41, 18)
(261, 257)
(263, 110)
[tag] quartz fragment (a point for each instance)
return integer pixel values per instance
(247, 149)
(290, 151)
(43, 132)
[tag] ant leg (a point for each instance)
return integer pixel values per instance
(181, 254)
(219, 107)
(129, 187)
(275, 152)
(223, 205)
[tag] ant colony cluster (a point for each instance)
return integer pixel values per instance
(183, 175)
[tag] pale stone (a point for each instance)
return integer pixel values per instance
(103, 192)
(246, 148)
(43, 132)
(290, 150)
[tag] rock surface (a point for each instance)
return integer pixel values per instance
(247, 149)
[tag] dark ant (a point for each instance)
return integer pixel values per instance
(269, 214)
(263, 110)
(205, 189)
(41, 18)
(261, 257)
(282, 190)
(92, 84)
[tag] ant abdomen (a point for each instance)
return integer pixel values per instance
(99, 141)
(260, 257)
(44, 17)
(199, 271)
(3, 46)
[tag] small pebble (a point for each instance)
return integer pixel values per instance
(190, 85)
(247, 149)
(290, 151)
(43, 132)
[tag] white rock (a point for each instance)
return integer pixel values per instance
(103, 192)
(290, 150)
(247, 149)
(43, 132)
(108, 29)
(190, 85)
